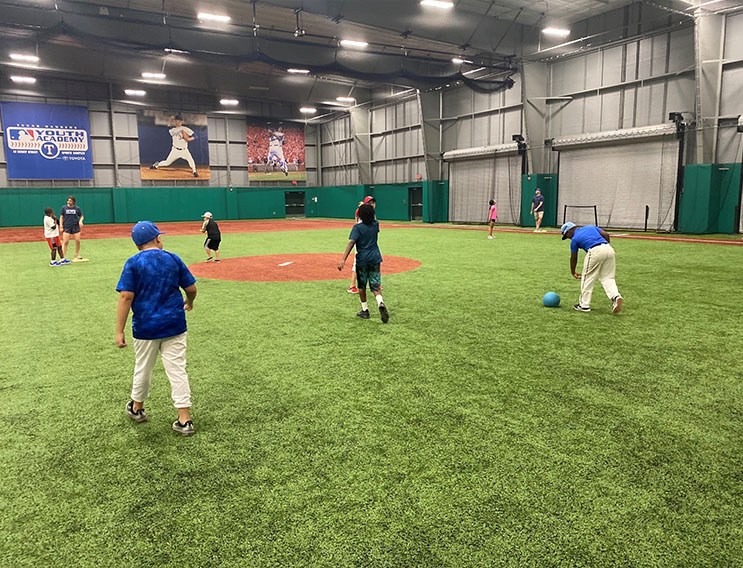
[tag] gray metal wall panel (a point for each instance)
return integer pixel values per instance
(100, 124)
(217, 154)
(734, 37)
(681, 56)
(511, 125)
(730, 95)
(457, 102)
(125, 124)
(593, 70)
(103, 176)
(681, 94)
(238, 156)
(612, 66)
(127, 152)
(216, 128)
(237, 128)
(102, 152)
(513, 95)
(610, 106)
(591, 114)
(729, 143)
(240, 177)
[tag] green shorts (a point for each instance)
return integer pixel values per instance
(369, 274)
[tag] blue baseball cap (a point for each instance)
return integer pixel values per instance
(565, 228)
(144, 231)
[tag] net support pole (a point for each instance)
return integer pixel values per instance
(678, 120)
(647, 214)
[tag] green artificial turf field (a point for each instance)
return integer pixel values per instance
(477, 428)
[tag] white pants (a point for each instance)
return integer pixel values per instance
(173, 353)
(599, 264)
(176, 154)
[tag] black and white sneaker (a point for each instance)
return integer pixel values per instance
(186, 429)
(616, 305)
(138, 415)
(153, 166)
(579, 308)
(384, 313)
(196, 174)
(363, 314)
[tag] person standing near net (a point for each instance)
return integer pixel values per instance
(368, 260)
(181, 136)
(213, 237)
(492, 216)
(598, 264)
(537, 209)
(150, 287)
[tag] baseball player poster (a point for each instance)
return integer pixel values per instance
(275, 151)
(46, 141)
(173, 145)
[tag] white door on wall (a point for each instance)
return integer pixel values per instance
(474, 182)
(621, 180)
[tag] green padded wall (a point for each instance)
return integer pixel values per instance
(547, 184)
(710, 199)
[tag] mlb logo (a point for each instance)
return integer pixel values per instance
(22, 134)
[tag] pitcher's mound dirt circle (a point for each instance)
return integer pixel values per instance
(292, 267)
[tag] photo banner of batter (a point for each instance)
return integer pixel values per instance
(173, 145)
(275, 151)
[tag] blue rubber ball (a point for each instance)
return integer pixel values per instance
(551, 299)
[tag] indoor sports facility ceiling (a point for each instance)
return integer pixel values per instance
(410, 45)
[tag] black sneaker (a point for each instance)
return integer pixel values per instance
(579, 308)
(196, 174)
(153, 166)
(384, 313)
(363, 314)
(209, 259)
(137, 416)
(186, 429)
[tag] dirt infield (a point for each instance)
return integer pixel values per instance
(31, 234)
(291, 267)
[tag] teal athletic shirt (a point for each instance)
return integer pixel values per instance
(365, 237)
(155, 277)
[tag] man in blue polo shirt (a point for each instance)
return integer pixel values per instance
(598, 264)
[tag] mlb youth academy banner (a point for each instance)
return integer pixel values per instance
(47, 141)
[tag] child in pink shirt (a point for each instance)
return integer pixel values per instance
(492, 216)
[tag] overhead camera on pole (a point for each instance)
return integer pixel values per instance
(299, 31)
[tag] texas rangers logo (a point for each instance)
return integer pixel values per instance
(49, 142)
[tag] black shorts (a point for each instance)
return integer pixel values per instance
(72, 230)
(212, 244)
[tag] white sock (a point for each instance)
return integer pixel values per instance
(364, 306)
(380, 301)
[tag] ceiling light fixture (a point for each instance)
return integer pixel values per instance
(557, 32)
(345, 99)
(135, 92)
(176, 51)
(207, 17)
(353, 43)
(23, 57)
(300, 71)
(442, 4)
(229, 102)
(299, 31)
(460, 61)
(22, 79)
(308, 110)
(158, 76)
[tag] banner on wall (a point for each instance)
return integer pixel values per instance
(46, 141)
(275, 151)
(173, 145)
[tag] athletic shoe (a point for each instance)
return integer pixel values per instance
(579, 308)
(153, 166)
(384, 313)
(65, 261)
(195, 174)
(616, 305)
(363, 314)
(53, 263)
(353, 290)
(138, 416)
(186, 429)
(217, 260)
(490, 237)
(209, 259)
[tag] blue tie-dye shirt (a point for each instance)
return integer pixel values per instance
(155, 277)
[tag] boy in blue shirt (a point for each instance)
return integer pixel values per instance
(150, 286)
(598, 264)
(368, 259)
